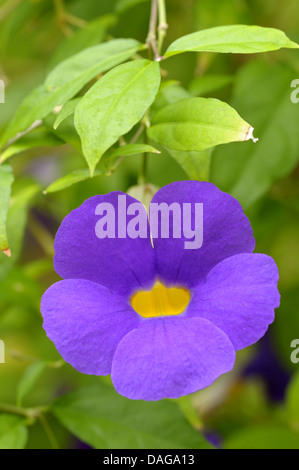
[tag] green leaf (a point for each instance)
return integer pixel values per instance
(6, 180)
(195, 164)
(70, 179)
(16, 222)
(292, 400)
(92, 34)
(209, 83)
(262, 95)
(168, 95)
(123, 5)
(13, 432)
(38, 138)
(67, 110)
(197, 124)
(112, 156)
(66, 80)
(239, 39)
(114, 105)
(106, 420)
(264, 437)
(28, 380)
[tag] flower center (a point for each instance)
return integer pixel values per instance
(160, 301)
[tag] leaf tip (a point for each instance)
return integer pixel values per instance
(250, 136)
(7, 252)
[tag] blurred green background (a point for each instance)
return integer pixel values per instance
(257, 404)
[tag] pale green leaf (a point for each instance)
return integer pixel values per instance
(70, 179)
(67, 110)
(112, 156)
(168, 95)
(38, 138)
(66, 80)
(239, 39)
(28, 380)
(6, 180)
(197, 124)
(114, 105)
(106, 420)
(13, 432)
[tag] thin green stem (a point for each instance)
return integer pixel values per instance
(143, 170)
(163, 26)
(48, 431)
(31, 413)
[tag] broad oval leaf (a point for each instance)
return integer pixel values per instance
(239, 39)
(6, 180)
(197, 124)
(106, 420)
(13, 432)
(114, 105)
(66, 80)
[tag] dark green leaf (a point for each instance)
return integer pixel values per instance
(105, 420)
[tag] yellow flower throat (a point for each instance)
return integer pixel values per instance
(160, 301)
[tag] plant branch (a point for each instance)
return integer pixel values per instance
(163, 26)
(151, 37)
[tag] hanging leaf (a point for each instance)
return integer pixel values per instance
(70, 179)
(114, 105)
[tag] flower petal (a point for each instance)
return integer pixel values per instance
(239, 296)
(86, 322)
(226, 232)
(170, 357)
(121, 264)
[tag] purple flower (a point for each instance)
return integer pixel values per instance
(193, 308)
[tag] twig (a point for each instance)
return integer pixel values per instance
(151, 37)
(163, 26)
